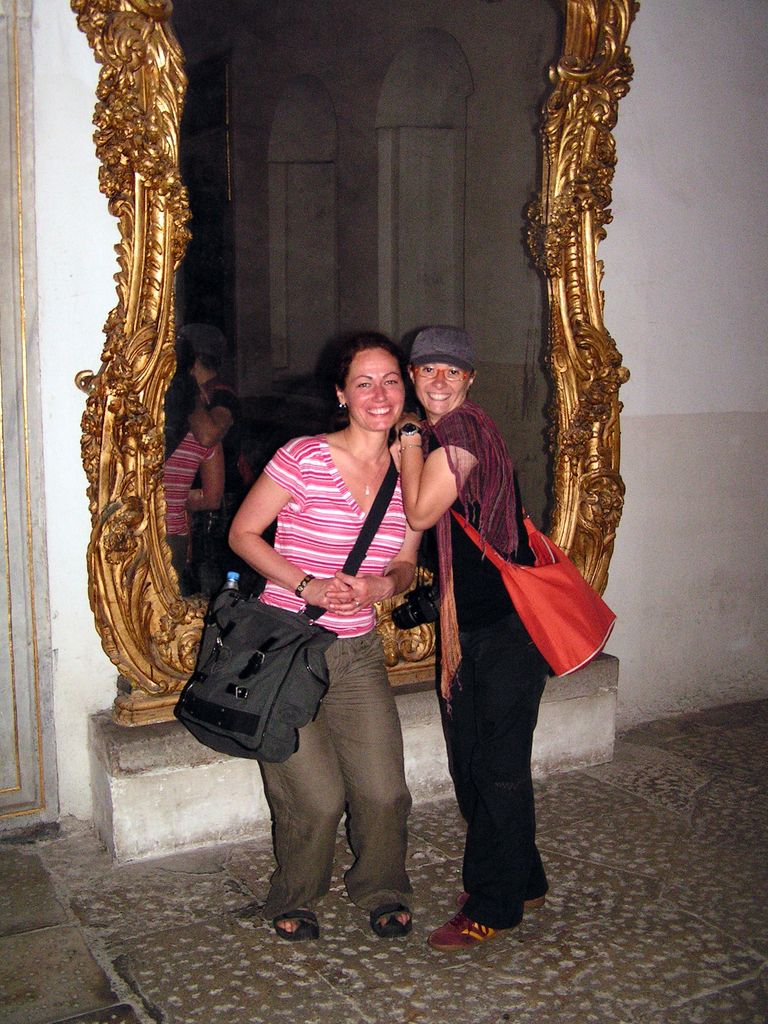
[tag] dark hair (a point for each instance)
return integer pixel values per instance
(363, 343)
(180, 397)
(185, 354)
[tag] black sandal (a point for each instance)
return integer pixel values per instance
(308, 928)
(391, 927)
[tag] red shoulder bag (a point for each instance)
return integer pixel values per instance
(566, 618)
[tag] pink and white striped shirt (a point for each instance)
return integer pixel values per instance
(178, 476)
(317, 528)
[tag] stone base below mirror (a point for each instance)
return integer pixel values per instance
(157, 790)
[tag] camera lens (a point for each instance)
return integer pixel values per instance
(405, 616)
(420, 606)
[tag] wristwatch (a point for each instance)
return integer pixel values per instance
(409, 430)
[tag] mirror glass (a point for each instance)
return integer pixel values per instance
(353, 167)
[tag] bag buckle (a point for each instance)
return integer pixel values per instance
(254, 664)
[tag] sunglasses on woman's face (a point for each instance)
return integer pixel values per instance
(452, 373)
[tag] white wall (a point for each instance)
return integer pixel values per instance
(687, 301)
(75, 240)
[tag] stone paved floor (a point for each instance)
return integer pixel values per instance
(657, 914)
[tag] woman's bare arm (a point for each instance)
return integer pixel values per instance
(210, 425)
(208, 497)
(429, 485)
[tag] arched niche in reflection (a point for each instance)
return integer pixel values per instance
(148, 630)
(421, 126)
(303, 295)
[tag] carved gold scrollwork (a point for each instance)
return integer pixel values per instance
(566, 223)
(147, 629)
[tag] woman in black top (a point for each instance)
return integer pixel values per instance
(492, 676)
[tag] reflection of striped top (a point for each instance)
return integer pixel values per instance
(178, 474)
(317, 528)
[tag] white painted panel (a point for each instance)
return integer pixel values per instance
(687, 254)
(27, 775)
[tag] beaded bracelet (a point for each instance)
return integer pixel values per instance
(300, 589)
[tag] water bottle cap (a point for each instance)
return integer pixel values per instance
(233, 576)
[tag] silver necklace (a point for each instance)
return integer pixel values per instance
(349, 450)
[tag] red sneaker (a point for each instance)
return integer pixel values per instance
(533, 904)
(460, 933)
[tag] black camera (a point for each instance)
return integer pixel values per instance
(421, 605)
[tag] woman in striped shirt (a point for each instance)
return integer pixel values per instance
(320, 489)
(185, 457)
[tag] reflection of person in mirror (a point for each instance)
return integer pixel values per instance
(186, 458)
(320, 490)
(491, 675)
(216, 419)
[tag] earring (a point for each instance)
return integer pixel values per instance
(342, 405)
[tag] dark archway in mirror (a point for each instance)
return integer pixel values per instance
(411, 210)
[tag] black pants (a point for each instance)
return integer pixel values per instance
(494, 708)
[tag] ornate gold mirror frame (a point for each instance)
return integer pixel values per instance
(148, 630)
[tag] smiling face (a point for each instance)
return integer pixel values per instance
(442, 390)
(374, 391)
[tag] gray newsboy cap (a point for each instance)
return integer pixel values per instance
(443, 345)
(205, 339)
